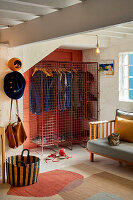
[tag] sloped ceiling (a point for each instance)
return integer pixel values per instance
(14, 12)
(28, 21)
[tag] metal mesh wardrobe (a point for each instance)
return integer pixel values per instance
(60, 99)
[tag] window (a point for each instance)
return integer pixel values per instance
(126, 76)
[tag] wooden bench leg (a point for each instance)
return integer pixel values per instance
(91, 157)
(120, 162)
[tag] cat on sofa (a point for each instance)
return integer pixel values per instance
(113, 139)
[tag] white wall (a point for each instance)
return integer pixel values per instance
(5, 55)
(109, 85)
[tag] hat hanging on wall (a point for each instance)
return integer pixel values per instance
(15, 64)
(14, 85)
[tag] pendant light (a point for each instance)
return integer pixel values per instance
(97, 49)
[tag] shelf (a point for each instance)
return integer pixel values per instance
(92, 101)
(91, 81)
(93, 119)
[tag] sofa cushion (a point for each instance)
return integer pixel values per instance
(123, 152)
(124, 114)
(124, 128)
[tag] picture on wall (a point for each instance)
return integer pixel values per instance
(107, 67)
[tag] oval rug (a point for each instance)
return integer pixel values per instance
(49, 183)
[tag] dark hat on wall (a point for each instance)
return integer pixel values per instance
(14, 85)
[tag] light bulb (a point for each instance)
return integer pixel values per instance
(97, 49)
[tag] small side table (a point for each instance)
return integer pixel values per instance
(2, 133)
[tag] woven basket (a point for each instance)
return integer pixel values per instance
(22, 170)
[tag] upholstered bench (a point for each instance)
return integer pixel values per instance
(123, 152)
(97, 145)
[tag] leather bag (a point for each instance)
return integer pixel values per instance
(15, 132)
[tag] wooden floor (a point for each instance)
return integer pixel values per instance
(101, 176)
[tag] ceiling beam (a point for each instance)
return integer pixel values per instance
(16, 15)
(83, 0)
(3, 27)
(24, 8)
(83, 17)
(105, 33)
(127, 26)
(49, 3)
(10, 22)
(119, 29)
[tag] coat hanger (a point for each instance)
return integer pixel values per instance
(55, 70)
(45, 71)
(74, 70)
(59, 69)
(64, 69)
(35, 69)
(68, 70)
(41, 69)
(50, 71)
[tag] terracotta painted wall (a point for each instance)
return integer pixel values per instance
(65, 55)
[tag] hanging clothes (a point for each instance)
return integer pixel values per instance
(90, 76)
(76, 96)
(91, 97)
(43, 91)
(36, 92)
(68, 90)
(52, 91)
(60, 92)
(39, 92)
(46, 82)
(64, 85)
(81, 85)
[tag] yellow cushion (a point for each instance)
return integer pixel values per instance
(124, 127)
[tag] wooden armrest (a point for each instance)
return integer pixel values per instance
(97, 126)
(101, 122)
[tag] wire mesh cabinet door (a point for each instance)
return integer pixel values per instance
(63, 98)
(43, 109)
(92, 87)
(85, 100)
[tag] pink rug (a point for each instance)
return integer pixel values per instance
(49, 183)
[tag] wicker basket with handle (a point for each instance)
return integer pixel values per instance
(22, 170)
